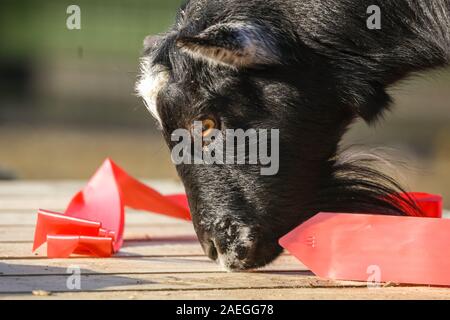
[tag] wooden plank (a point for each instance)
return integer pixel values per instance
(158, 282)
(172, 266)
(27, 188)
(133, 218)
(131, 249)
(70, 187)
(54, 195)
(26, 233)
(387, 293)
(28, 217)
(141, 265)
(56, 203)
(162, 248)
(33, 203)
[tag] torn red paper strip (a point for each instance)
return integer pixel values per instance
(98, 211)
(64, 246)
(57, 224)
(429, 204)
(408, 250)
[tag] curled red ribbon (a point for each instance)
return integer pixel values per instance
(97, 213)
(332, 245)
(378, 248)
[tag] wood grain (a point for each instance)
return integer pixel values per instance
(161, 259)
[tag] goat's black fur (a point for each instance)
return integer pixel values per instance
(309, 68)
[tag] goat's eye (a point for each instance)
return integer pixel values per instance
(208, 125)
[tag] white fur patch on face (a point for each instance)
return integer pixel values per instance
(230, 257)
(227, 259)
(152, 80)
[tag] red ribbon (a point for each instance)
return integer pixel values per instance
(332, 245)
(95, 217)
(376, 248)
(429, 204)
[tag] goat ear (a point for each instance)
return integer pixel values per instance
(232, 44)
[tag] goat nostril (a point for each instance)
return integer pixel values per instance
(212, 251)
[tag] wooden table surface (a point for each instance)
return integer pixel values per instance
(161, 259)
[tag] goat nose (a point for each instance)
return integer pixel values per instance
(210, 250)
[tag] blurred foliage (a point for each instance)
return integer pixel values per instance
(109, 29)
(52, 75)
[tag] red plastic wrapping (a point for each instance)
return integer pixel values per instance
(332, 245)
(97, 213)
(430, 204)
(57, 224)
(407, 250)
(64, 246)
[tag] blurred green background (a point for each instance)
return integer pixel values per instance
(67, 98)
